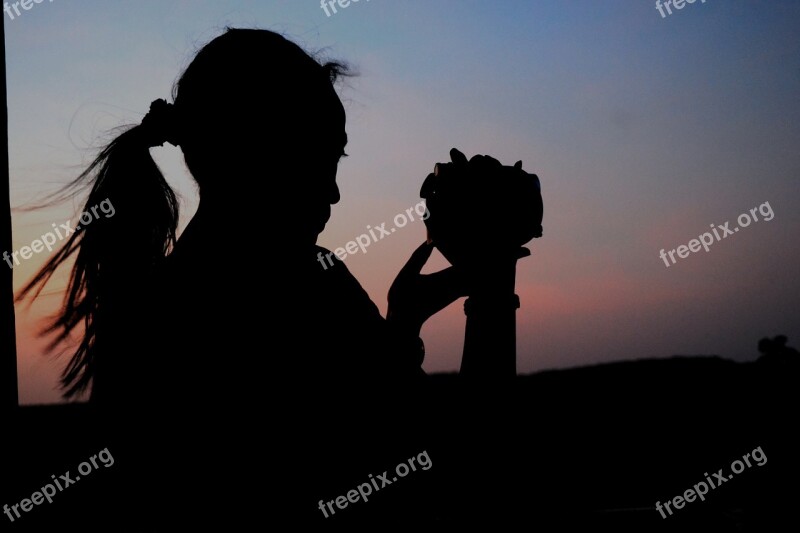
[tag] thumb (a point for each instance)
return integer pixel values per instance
(417, 260)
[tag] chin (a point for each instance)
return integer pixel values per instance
(314, 235)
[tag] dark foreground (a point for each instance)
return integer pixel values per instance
(596, 446)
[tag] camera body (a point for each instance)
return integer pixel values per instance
(481, 207)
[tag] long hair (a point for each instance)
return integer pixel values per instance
(133, 241)
(115, 256)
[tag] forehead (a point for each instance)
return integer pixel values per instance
(331, 120)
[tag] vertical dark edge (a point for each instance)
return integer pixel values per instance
(8, 347)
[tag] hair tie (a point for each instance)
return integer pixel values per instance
(160, 124)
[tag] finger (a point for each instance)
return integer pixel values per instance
(484, 161)
(417, 260)
(408, 275)
(457, 157)
(448, 284)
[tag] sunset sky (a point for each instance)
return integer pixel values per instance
(644, 132)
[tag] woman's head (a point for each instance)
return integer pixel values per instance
(258, 117)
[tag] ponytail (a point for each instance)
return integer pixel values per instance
(114, 255)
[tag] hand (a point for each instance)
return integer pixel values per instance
(415, 297)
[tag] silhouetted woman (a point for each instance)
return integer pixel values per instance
(231, 353)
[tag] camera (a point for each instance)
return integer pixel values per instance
(481, 207)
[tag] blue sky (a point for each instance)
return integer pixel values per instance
(644, 131)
